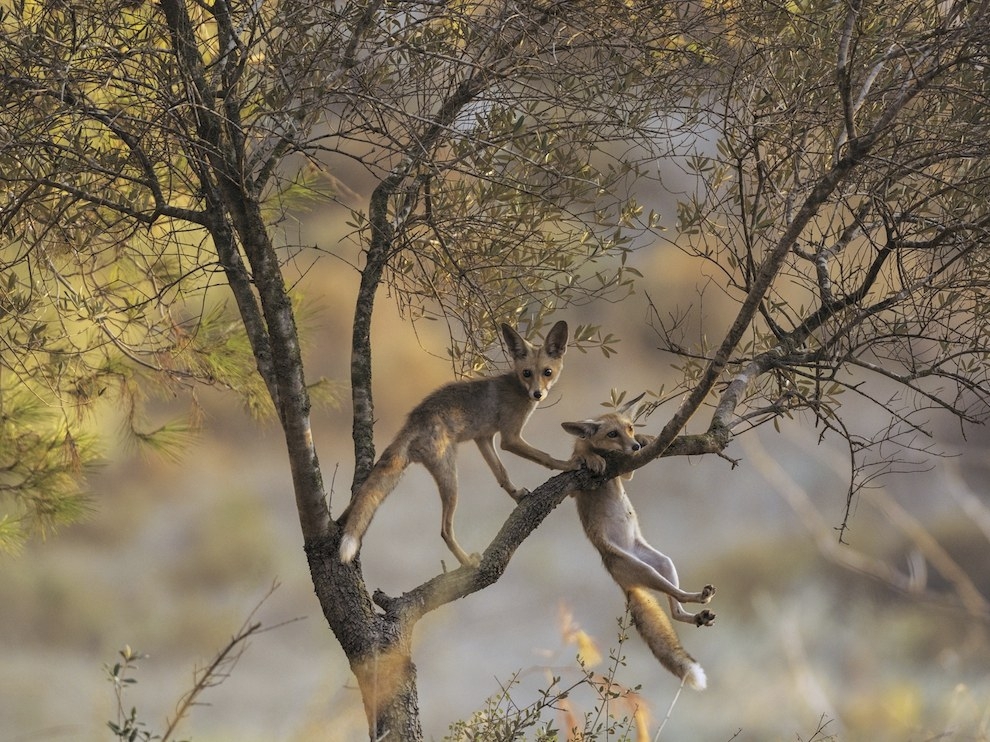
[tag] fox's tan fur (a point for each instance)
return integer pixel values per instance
(475, 410)
(611, 524)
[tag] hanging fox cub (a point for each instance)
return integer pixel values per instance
(611, 525)
(476, 410)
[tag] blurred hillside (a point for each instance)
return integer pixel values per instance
(176, 555)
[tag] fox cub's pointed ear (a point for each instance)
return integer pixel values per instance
(556, 343)
(583, 429)
(517, 345)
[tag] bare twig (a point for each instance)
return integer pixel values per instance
(222, 664)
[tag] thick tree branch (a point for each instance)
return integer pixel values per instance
(761, 285)
(362, 430)
(223, 142)
(241, 286)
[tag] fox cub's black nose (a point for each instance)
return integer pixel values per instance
(537, 395)
(636, 446)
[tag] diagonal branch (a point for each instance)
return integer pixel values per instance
(858, 152)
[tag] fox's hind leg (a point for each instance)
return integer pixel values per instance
(444, 471)
(487, 448)
(664, 565)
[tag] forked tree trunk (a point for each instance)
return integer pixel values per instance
(378, 649)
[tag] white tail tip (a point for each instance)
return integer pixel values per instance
(349, 548)
(695, 677)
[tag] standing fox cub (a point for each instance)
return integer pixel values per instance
(475, 410)
(611, 525)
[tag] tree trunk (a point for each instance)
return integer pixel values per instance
(387, 680)
(377, 645)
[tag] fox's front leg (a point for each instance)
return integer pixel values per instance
(594, 462)
(597, 464)
(487, 447)
(514, 443)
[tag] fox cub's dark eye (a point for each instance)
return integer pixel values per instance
(527, 373)
(613, 434)
(548, 372)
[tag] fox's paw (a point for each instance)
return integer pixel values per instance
(707, 593)
(704, 618)
(593, 462)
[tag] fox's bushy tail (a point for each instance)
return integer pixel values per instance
(657, 631)
(380, 482)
